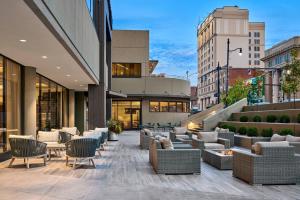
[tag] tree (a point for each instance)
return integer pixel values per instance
(237, 92)
(291, 79)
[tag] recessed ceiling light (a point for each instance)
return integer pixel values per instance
(13, 74)
(44, 57)
(22, 40)
(75, 80)
(58, 67)
(81, 85)
(68, 75)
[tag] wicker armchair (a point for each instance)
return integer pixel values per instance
(176, 161)
(145, 138)
(273, 165)
(64, 137)
(179, 134)
(97, 135)
(81, 148)
(27, 148)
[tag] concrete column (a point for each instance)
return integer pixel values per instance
(80, 110)
(71, 108)
(29, 101)
(275, 82)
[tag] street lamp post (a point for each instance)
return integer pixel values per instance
(218, 69)
(227, 65)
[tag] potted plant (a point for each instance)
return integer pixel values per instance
(115, 128)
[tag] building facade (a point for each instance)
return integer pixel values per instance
(276, 59)
(212, 34)
(53, 55)
(150, 98)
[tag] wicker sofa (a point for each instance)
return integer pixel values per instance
(272, 163)
(175, 161)
(180, 134)
(25, 147)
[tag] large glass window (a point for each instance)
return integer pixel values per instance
(10, 97)
(52, 104)
(126, 70)
(169, 106)
(128, 113)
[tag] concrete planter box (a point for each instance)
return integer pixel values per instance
(247, 142)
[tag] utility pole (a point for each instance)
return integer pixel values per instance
(218, 69)
(227, 66)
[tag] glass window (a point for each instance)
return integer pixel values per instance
(154, 106)
(172, 106)
(2, 133)
(52, 104)
(164, 107)
(179, 106)
(126, 70)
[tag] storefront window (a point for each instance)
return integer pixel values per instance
(164, 106)
(179, 107)
(172, 106)
(126, 70)
(128, 113)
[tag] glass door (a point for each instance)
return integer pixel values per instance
(128, 113)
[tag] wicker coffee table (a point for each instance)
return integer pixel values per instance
(221, 159)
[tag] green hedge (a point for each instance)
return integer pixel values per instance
(243, 119)
(257, 118)
(271, 118)
(284, 119)
(286, 131)
(252, 132)
(242, 130)
(268, 132)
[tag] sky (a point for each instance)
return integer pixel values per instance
(173, 24)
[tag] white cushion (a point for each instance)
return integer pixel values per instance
(87, 133)
(180, 130)
(259, 145)
(101, 129)
(277, 138)
(221, 130)
(22, 136)
(148, 132)
(213, 146)
(211, 137)
(55, 145)
(185, 137)
(291, 138)
(71, 130)
(48, 136)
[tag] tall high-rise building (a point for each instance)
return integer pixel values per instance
(229, 22)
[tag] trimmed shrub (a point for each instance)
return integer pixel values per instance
(286, 131)
(224, 126)
(284, 119)
(231, 128)
(271, 118)
(257, 118)
(298, 118)
(242, 130)
(268, 132)
(252, 132)
(243, 119)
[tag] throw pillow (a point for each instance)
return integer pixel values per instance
(277, 138)
(210, 137)
(148, 132)
(291, 138)
(166, 144)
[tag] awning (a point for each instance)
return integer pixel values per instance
(113, 94)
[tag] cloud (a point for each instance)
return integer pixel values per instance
(175, 59)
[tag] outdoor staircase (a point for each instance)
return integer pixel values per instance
(195, 121)
(290, 109)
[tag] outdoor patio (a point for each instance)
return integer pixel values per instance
(124, 172)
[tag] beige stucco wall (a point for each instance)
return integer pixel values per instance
(131, 46)
(152, 86)
(160, 117)
(76, 28)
